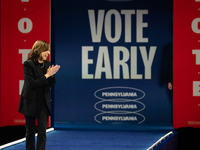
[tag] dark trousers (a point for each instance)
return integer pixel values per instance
(42, 121)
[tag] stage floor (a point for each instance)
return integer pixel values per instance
(62, 139)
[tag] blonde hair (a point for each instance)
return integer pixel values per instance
(38, 47)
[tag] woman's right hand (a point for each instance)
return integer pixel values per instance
(52, 70)
(170, 86)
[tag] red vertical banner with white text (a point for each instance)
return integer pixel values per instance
(22, 23)
(186, 63)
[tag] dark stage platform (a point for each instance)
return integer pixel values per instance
(118, 139)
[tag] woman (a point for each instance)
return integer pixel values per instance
(35, 96)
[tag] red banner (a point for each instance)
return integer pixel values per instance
(22, 23)
(186, 61)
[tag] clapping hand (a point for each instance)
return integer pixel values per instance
(52, 70)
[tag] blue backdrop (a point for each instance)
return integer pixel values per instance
(114, 56)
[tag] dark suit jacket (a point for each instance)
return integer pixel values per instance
(34, 82)
(170, 70)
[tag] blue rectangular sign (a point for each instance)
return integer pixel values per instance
(114, 56)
